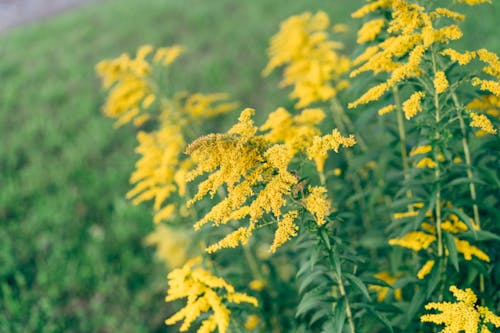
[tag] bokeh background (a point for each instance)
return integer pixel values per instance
(72, 256)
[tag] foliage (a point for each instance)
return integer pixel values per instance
(412, 156)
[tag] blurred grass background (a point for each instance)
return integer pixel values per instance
(71, 253)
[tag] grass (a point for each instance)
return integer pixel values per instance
(71, 253)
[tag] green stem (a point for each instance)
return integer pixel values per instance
(337, 272)
(437, 172)
(470, 175)
(402, 140)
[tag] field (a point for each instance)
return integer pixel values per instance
(72, 257)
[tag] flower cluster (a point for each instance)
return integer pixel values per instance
(205, 294)
(312, 63)
(253, 168)
(463, 315)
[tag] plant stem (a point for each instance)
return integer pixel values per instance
(402, 140)
(337, 272)
(437, 172)
(472, 185)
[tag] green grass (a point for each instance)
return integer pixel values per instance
(71, 254)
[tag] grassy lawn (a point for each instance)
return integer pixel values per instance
(71, 253)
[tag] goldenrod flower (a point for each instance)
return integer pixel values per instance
(490, 85)
(469, 250)
(481, 121)
(205, 294)
(257, 285)
(461, 316)
(317, 203)
(312, 65)
(383, 291)
(286, 230)
(426, 269)
(413, 105)
(414, 240)
(474, 2)
(426, 162)
(461, 58)
(386, 109)
(370, 30)
(440, 82)
(252, 322)
(171, 244)
(318, 151)
(420, 150)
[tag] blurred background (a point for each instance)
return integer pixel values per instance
(72, 256)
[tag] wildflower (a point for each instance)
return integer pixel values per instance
(490, 85)
(205, 293)
(171, 244)
(310, 58)
(426, 162)
(474, 2)
(154, 177)
(321, 144)
(412, 106)
(286, 230)
(425, 270)
(317, 203)
(398, 216)
(386, 109)
(469, 250)
(257, 285)
(461, 316)
(383, 291)
(372, 94)
(370, 30)
(440, 82)
(251, 322)
(420, 150)
(414, 240)
(461, 58)
(482, 122)
(208, 105)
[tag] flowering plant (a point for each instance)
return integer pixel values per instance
(357, 210)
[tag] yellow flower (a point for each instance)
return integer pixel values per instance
(426, 162)
(317, 203)
(461, 58)
(474, 2)
(420, 150)
(414, 240)
(426, 269)
(481, 121)
(205, 294)
(208, 105)
(286, 230)
(412, 105)
(386, 109)
(461, 316)
(490, 85)
(251, 322)
(469, 250)
(257, 285)
(312, 65)
(370, 30)
(318, 151)
(440, 82)
(171, 244)
(383, 291)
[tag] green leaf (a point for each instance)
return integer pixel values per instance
(452, 249)
(465, 219)
(382, 318)
(310, 278)
(311, 300)
(358, 283)
(339, 315)
(480, 235)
